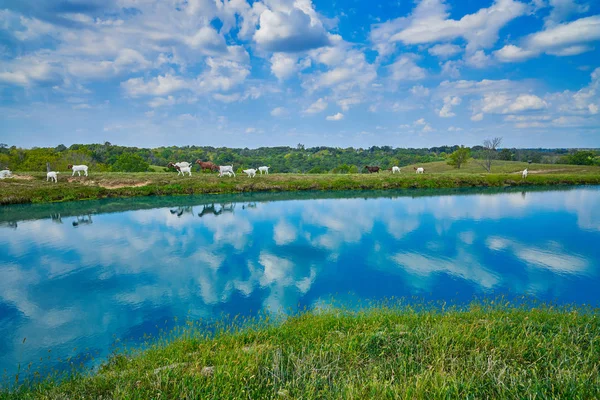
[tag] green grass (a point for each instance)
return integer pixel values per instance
(484, 351)
(33, 188)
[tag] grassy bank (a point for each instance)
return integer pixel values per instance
(33, 188)
(486, 351)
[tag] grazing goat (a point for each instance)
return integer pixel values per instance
(5, 173)
(78, 169)
(372, 169)
(226, 169)
(395, 169)
(419, 170)
(52, 175)
(179, 164)
(264, 169)
(183, 170)
(251, 172)
(207, 165)
(525, 173)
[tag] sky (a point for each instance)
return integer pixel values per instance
(340, 73)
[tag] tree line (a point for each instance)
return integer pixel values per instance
(299, 159)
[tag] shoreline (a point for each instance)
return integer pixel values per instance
(34, 189)
(489, 350)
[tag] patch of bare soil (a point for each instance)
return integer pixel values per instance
(22, 177)
(109, 185)
(542, 171)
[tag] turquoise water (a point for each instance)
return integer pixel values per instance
(76, 277)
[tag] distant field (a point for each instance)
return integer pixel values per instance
(33, 188)
(503, 167)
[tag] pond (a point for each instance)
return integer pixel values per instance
(75, 277)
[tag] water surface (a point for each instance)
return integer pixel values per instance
(75, 277)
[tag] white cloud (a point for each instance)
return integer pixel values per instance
(347, 71)
(316, 107)
(405, 69)
(444, 51)
(250, 130)
(449, 102)
(566, 35)
(278, 112)
(419, 91)
(290, 30)
(477, 117)
(158, 86)
(284, 66)
(526, 102)
(430, 23)
(512, 53)
(336, 117)
(478, 59)
(562, 10)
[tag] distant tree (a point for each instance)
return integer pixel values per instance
(505, 155)
(60, 147)
(584, 157)
(300, 146)
(130, 162)
(489, 152)
(459, 157)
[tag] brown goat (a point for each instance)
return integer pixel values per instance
(207, 165)
(372, 169)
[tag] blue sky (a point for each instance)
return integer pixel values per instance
(280, 72)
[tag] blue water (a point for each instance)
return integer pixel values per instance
(76, 277)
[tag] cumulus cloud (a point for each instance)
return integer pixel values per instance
(526, 102)
(477, 117)
(278, 112)
(430, 23)
(159, 86)
(316, 107)
(449, 102)
(346, 70)
(284, 66)
(562, 10)
(290, 30)
(478, 59)
(336, 117)
(405, 69)
(566, 39)
(512, 53)
(444, 51)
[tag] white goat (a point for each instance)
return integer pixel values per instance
(52, 175)
(5, 173)
(420, 170)
(264, 169)
(395, 169)
(525, 173)
(226, 169)
(78, 169)
(183, 164)
(251, 172)
(183, 170)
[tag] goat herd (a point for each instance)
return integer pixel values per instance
(186, 167)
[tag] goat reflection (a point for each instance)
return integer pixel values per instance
(83, 220)
(179, 211)
(9, 224)
(212, 210)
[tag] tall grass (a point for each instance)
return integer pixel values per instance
(108, 185)
(486, 350)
